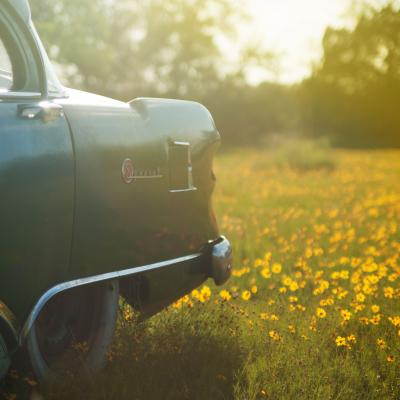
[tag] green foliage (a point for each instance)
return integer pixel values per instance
(126, 49)
(304, 154)
(131, 48)
(223, 349)
(169, 48)
(245, 115)
(175, 355)
(353, 96)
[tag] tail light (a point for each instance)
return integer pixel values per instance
(180, 167)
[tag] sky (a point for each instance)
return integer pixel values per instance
(293, 29)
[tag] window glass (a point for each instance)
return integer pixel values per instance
(6, 75)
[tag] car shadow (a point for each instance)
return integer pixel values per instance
(183, 355)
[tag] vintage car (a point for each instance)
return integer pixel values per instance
(99, 199)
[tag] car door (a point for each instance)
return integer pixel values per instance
(36, 174)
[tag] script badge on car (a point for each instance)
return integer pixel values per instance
(128, 171)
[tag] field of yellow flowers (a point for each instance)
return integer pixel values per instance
(312, 310)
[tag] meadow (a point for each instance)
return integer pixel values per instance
(312, 310)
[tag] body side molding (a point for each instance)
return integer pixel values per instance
(49, 294)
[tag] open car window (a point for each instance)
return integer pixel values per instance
(6, 74)
(19, 69)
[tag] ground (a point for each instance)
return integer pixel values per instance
(313, 308)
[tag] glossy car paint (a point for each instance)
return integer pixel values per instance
(37, 186)
(36, 206)
(67, 212)
(119, 225)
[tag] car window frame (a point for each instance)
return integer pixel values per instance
(49, 73)
(6, 73)
(28, 51)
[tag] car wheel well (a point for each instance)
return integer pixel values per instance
(135, 290)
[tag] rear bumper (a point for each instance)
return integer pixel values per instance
(221, 261)
(172, 276)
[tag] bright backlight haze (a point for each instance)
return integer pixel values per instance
(293, 29)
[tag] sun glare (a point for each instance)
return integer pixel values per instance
(292, 29)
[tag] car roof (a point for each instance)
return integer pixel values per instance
(22, 6)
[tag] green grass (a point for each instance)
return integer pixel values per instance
(303, 154)
(317, 223)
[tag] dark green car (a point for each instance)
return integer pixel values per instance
(99, 199)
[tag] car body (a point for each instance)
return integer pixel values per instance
(94, 190)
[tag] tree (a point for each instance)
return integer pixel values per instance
(130, 48)
(127, 48)
(353, 96)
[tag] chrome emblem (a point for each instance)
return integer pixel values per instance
(128, 171)
(130, 174)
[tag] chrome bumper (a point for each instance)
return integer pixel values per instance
(221, 261)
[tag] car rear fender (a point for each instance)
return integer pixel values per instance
(179, 120)
(192, 139)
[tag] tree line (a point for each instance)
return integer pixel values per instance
(168, 48)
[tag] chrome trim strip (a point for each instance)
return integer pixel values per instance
(7, 74)
(180, 143)
(191, 189)
(94, 279)
(19, 95)
(147, 177)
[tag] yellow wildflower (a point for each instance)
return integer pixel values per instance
(360, 297)
(381, 343)
(340, 341)
(258, 262)
(225, 295)
(264, 316)
(375, 308)
(375, 320)
(388, 292)
(274, 335)
(395, 320)
(352, 338)
(246, 295)
(346, 315)
(308, 253)
(276, 268)
(266, 273)
(320, 313)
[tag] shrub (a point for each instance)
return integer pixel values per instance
(304, 154)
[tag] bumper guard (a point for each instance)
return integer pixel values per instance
(221, 261)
